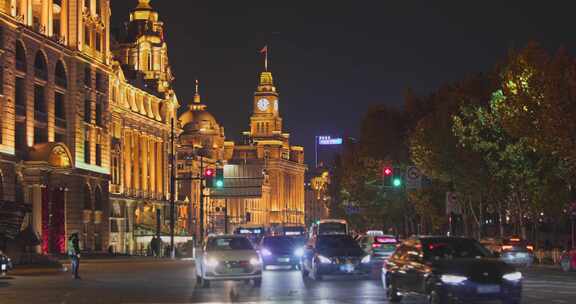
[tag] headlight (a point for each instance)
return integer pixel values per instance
(299, 252)
(452, 279)
(366, 259)
(211, 262)
(324, 260)
(513, 276)
(255, 261)
(266, 252)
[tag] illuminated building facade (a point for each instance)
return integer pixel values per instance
(54, 141)
(143, 105)
(267, 162)
(84, 130)
(318, 198)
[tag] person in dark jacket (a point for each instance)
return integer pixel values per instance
(74, 253)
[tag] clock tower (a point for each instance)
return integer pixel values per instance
(265, 121)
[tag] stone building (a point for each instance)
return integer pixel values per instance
(85, 131)
(54, 141)
(143, 107)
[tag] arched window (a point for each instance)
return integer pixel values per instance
(40, 70)
(19, 190)
(20, 57)
(60, 75)
(98, 200)
(87, 198)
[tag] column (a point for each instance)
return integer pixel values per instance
(127, 159)
(144, 161)
(36, 196)
(136, 160)
(152, 149)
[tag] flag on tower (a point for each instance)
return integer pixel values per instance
(264, 51)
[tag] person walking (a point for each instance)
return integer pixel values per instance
(74, 253)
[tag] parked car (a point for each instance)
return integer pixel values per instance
(450, 270)
(334, 255)
(568, 260)
(5, 263)
(228, 258)
(281, 251)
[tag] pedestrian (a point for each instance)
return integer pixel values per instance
(74, 253)
(155, 245)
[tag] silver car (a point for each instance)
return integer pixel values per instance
(228, 258)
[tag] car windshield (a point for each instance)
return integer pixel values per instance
(336, 241)
(332, 228)
(229, 243)
(279, 242)
(453, 249)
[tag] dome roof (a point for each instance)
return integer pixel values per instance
(186, 117)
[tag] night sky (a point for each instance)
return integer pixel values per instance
(332, 60)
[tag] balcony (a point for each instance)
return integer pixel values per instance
(40, 116)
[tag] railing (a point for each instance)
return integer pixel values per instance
(40, 116)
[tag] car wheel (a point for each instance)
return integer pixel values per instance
(392, 293)
(257, 282)
(316, 272)
(304, 271)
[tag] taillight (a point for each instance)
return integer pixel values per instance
(506, 247)
(375, 245)
(530, 247)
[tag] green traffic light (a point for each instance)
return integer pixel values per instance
(397, 182)
(219, 183)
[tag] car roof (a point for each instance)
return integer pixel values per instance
(217, 236)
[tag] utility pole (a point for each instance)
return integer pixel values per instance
(225, 216)
(201, 178)
(172, 190)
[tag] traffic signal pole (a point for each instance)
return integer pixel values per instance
(172, 190)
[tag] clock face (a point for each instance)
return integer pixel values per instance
(263, 104)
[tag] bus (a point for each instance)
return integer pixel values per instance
(329, 227)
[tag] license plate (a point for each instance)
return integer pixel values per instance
(4, 267)
(488, 289)
(235, 270)
(347, 268)
(283, 260)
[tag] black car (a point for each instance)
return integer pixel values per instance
(281, 251)
(334, 254)
(450, 270)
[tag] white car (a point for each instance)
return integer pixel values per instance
(228, 258)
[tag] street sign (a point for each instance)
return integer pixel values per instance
(413, 178)
(452, 206)
(329, 141)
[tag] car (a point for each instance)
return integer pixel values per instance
(334, 255)
(281, 251)
(5, 263)
(568, 260)
(379, 247)
(450, 270)
(228, 258)
(517, 251)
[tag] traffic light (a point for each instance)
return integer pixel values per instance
(387, 173)
(219, 180)
(397, 179)
(209, 177)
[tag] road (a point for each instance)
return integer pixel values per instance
(174, 282)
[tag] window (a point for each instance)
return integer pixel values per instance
(40, 67)
(98, 155)
(59, 106)
(87, 146)
(87, 109)
(87, 198)
(88, 77)
(99, 82)
(86, 35)
(99, 7)
(99, 114)
(60, 75)
(20, 97)
(40, 135)
(98, 41)
(20, 137)
(87, 4)
(20, 57)
(59, 137)
(98, 200)
(40, 104)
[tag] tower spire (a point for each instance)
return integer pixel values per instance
(264, 51)
(197, 98)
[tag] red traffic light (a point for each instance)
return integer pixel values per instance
(209, 172)
(387, 171)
